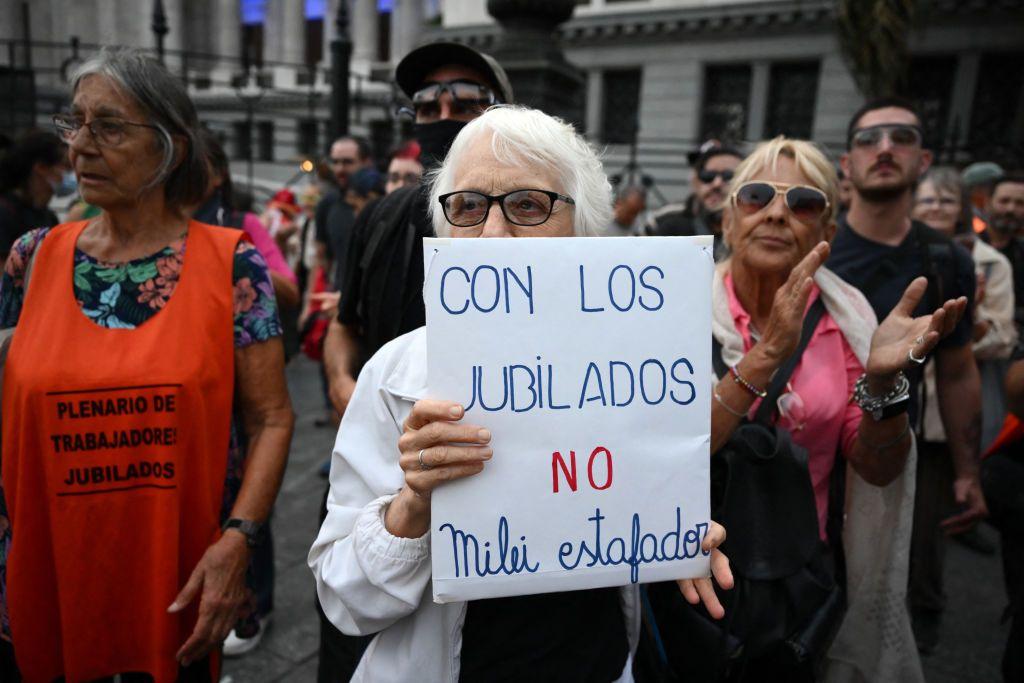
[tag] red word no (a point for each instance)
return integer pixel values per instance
(569, 471)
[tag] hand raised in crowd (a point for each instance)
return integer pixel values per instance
(435, 448)
(782, 332)
(698, 590)
(220, 576)
(901, 334)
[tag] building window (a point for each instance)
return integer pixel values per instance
(726, 101)
(996, 114)
(793, 91)
(241, 135)
(620, 105)
(266, 136)
(384, 30)
(314, 31)
(254, 13)
(308, 138)
(930, 88)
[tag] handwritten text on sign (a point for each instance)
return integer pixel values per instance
(589, 361)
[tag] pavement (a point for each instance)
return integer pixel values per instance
(971, 644)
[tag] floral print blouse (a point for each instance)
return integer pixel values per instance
(126, 295)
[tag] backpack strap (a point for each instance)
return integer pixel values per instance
(778, 383)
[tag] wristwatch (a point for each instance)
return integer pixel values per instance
(251, 530)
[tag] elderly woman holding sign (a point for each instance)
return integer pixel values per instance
(808, 381)
(513, 172)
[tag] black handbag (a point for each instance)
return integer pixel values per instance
(789, 596)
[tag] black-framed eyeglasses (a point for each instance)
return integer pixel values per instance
(527, 207)
(807, 204)
(708, 176)
(108, 131)
(899, 134)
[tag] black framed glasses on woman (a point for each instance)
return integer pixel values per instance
(465, 208)
(109, 131)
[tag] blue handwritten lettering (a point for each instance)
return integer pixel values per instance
(510, 559)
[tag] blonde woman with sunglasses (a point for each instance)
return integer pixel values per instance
(846, 396)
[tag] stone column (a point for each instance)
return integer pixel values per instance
(285, 39)
(406, 23)
(363, 29)
(757, 107)
(227, 37)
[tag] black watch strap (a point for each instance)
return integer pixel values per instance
(892, 410)
(251, 530)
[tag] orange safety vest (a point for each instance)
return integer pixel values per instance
(114, 458)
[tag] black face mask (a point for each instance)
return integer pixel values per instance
(435, 139)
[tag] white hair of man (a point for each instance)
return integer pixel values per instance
(529, 138)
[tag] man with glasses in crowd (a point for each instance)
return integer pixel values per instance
(713, 166)
(448, 85)
(880, 250)
(334, 217)
(1005, 213)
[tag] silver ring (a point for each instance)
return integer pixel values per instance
(423, 465)
(915, 359)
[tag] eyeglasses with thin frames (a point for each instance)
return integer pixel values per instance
(527, 207)
(108, 131)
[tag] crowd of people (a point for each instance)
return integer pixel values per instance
(866, 317)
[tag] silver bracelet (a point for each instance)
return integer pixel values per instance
(876, 405)
(728, 409)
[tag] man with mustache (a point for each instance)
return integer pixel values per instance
(1005, 223)
(713, 166)
(879, 250)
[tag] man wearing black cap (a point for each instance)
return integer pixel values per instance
(713, 166)
(449, 85)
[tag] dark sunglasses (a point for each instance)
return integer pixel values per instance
(465, 95)
(522, 207)
(807, 204)
(899, 134)
(708, 176)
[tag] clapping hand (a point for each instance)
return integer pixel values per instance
(902, 339)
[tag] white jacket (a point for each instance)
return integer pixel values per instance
(369, 581)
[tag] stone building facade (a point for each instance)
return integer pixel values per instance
(663, 74)
(750, 69)
(272, 56)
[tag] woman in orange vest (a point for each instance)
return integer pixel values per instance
(126, 515)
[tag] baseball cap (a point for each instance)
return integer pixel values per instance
(415, 66)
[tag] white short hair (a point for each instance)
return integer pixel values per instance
(529, 138)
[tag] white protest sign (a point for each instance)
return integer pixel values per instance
(589, 359)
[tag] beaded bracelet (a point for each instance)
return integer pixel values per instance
(736, 377)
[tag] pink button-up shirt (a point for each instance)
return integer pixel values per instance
(816, 408)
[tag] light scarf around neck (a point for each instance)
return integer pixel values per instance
(875, 641)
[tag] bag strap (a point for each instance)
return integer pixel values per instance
(782, 375)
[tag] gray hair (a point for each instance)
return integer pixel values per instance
(530, 138)
(948, 179)
(168, 108)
